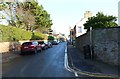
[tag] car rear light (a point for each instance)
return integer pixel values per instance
(31, 46)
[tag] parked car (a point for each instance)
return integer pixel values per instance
(31, 46)
(54, 43)
(48, 44)
(43, 45)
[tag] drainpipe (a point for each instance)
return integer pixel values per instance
(91, 42)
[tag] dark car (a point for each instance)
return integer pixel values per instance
(31, 46)
(49, 44)
(46, 44)
(54, 43)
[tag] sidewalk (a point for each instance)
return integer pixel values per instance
(9, 56)
(89, 66)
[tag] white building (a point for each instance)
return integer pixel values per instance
(119, 13)
(80, 25)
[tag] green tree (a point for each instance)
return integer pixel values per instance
(100, 21)
(3, 6)
(50, 38)
(39, 16)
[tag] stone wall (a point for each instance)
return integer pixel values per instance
(106, 44)
(10, 46)
(82, 41)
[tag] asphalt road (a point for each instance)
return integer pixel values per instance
(48, 63)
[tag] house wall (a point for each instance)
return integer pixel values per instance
(82, 41)
(79, 25)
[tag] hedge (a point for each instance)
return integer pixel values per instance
(10, 33)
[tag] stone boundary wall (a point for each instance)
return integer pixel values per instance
(106, 44)
(10, 46)
(82, 41)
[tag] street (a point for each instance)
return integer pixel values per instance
(48, 63)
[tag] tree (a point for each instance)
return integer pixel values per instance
(25, 17)
(39, 20)
(2, 6)
(50, 38)
(100, 21)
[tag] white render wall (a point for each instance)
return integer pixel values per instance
(80, 24)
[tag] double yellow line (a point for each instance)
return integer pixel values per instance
(95, 74)
(78, 71)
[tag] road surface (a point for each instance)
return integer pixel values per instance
(48, 63)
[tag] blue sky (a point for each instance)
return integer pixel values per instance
(66, 13)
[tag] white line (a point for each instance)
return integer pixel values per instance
(66, 49)
(66, 64)
(76, 74)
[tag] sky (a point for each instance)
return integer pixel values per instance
(66, 13)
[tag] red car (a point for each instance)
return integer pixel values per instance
(32, 46)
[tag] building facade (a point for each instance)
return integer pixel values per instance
(79, 27)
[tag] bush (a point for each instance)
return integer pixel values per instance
(50, 38)
(10, 33)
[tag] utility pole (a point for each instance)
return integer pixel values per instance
(91, 42)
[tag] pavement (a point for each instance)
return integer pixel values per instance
(7, 57)
(93, 68)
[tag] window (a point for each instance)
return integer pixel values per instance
(80, 29)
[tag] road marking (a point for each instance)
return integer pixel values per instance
(66, 64)
(66, 49)
(76, 74)
(83, 72)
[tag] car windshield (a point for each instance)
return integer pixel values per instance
(41, 42)
(26, 43)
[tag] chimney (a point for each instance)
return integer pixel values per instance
(87, 14)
